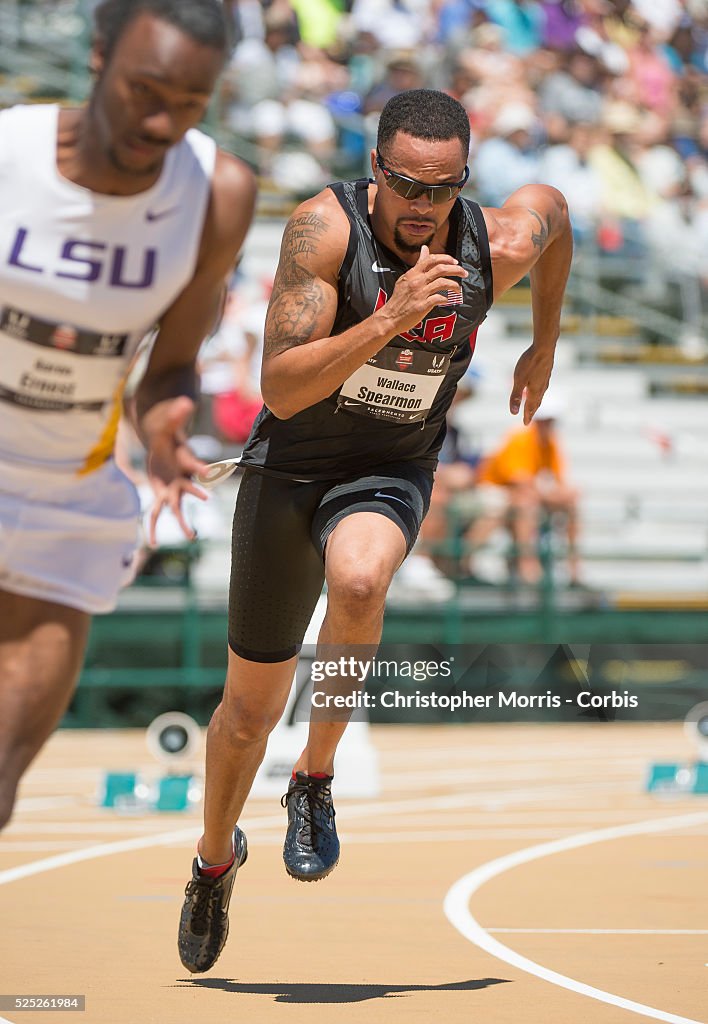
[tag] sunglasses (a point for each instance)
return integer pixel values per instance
(409, 188)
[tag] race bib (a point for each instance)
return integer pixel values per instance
(57, 367)
(398, 385)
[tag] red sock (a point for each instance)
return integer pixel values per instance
(214, 870)
(313, 775)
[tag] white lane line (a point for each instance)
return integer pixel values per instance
(31, 846)
(456, 906)
(451, 802)
(429, 836)
(599, 931)
(188, 834)
(494, 798)
(503, 773)
(61, 860)
(517, 822)
(585, 753)
(120, 825)
(44, 803)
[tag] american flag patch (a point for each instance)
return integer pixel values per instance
(454, 297)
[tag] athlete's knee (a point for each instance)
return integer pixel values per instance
(358, 589)
(245, 720)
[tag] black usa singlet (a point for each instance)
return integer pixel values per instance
(392, 408)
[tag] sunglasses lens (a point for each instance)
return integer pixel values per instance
(442, 195)
(411, 190)
(404, 188)
(408, 189)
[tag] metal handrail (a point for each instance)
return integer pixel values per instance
(583, 288)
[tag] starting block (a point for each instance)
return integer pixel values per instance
(174, 739)
(117, 787)
(690, 778)
(132, 793)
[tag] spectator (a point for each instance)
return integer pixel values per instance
(530, 468)
(626, 201)
(522, 22)
(319, 21)
(650, 73)
(567, 167)
(230, 368)
(452, 495)
(246, 19)
(455, 17)
(659, 165)
(573, 90)
(662, 16)
(396, 24)
(508, 159)
(274, 94)
(402, 74)
(562, 19)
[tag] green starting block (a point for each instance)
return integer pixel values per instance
(678, 778)
(173, 793)
(117, 787)
(128, 791)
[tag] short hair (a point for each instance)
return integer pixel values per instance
(424, 114)
(202, 20)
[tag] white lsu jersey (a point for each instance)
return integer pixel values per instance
(83, 277)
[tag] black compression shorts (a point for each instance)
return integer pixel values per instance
(280, 531)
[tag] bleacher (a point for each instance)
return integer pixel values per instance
(43, 52)
(637, 457)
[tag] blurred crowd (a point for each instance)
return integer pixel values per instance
(606, 100)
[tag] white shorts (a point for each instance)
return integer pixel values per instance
(67, 539)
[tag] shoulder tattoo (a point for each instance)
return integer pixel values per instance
(297, 295)
(540, 237)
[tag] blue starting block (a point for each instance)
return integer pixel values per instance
(691, 778)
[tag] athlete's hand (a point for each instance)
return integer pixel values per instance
(531, 377)
(422, 288)
(170, 461)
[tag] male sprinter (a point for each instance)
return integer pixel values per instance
(378, 296)
(113, 218)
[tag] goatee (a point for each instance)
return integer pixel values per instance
(410, 247)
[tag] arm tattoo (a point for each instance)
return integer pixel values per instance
(302, 234)
(540, 238)
(297, 295)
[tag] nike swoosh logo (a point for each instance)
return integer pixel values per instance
(390, 497)
(347, 402)
(153, 215)
(377, 269)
